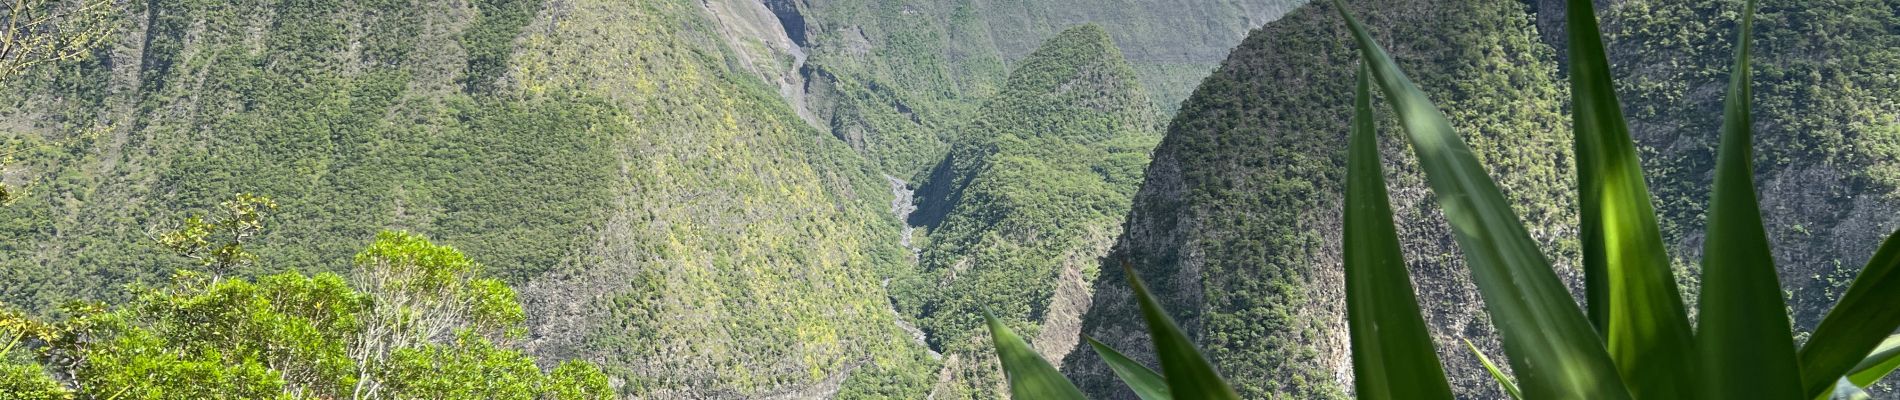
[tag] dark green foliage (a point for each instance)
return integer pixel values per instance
(1743, 339)
(1392, 353)
(492, 39)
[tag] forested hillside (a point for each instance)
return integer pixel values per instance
(669, 217)
(1237, 223)
(1028, 199)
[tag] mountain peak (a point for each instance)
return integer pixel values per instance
(1078, 71)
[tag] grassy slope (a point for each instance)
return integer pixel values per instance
(1027, 201)
(1238, 219)
(700, 205)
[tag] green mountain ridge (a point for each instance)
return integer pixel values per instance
(1026, 201)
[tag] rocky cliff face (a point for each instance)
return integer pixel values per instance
(1238, 218)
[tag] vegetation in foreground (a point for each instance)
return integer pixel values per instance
(1635, 341)
(412, 320)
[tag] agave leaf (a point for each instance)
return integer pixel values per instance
(1505, 381)
(1147, 384)
(1030, 377)
(1392, 353)
(1844, 390)
(1744, 341)
(1867, 314)
(1553, 348)
(1877, 364)
(1189, 375)
(1632, 295)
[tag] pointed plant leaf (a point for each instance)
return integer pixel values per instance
(1856, 326)
(1878, 364)
(1392, 353)
(1030, 377)
(1629, 287)
(1745, 346)
(1505, 381)
(1147, 384)
(1189, 374)
(1844, 390)
(1553, 348)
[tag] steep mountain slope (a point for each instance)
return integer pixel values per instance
(1238, 217)
(671, 218)
(891, 77)
(1237, 223)
(1026, 202)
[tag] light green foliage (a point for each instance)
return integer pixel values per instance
(29, 382)
(216, 243)
(1510, 386)
(473, 368)
(295, 336)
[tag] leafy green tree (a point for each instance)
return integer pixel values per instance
(415, 320)
(216, 243)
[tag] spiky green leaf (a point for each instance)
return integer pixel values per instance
(1030, 376)
(1844, 390)
(1629, 288)
(1553, 348)
(1878, 364)
(1743, 337)
(1510, 388)
(1147, 384)
(1858, 323)
(1392, 353)
(1189, 374)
